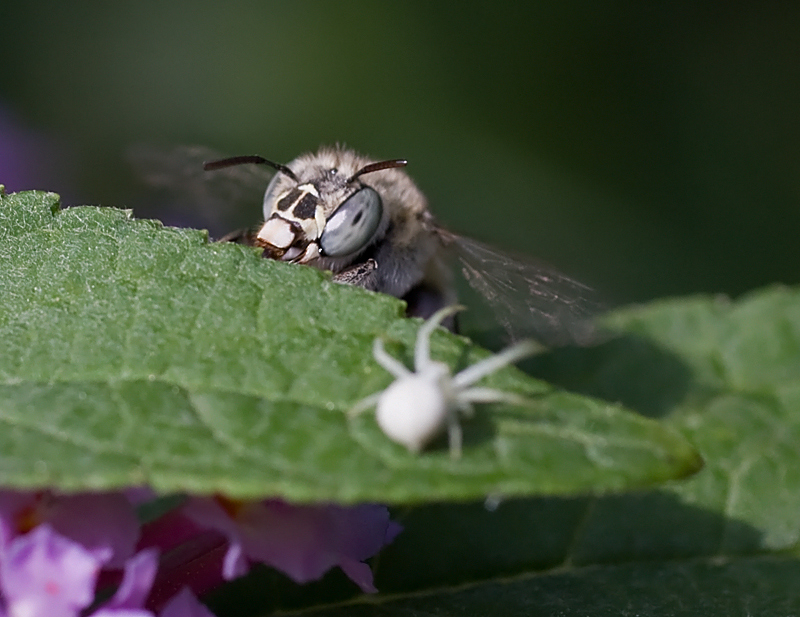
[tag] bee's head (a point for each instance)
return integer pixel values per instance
(320, 208)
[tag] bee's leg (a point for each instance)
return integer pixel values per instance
(423, 301)
(239, 236)
(363, 275)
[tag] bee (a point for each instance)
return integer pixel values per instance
(367, 222)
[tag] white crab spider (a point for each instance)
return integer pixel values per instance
(419, 405)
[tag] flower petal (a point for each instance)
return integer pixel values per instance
(360, 573)
(43, 573)
(104, 523)
(302, 541)
(140, 572)
(184, 604)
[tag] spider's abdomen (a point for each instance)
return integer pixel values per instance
(413, 410)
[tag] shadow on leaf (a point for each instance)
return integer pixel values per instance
(629, 369)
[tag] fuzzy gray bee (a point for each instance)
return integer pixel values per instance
(364, 221)
(369, 224)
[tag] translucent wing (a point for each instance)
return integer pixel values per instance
(529, 299)
(178, 172)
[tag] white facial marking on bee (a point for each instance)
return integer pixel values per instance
(320, 221)
(278, 232)
(301, 202)
(309, 188)
(419, 405)
(311, 253)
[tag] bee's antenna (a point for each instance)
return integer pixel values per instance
(249, 159)
(368, 169)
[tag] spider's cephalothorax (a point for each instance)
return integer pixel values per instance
(365, 221)
(422, 403)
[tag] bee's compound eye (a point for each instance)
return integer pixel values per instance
(353, 223)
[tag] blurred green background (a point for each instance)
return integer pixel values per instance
(648, 149)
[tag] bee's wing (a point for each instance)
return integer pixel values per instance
(178, 171)
(529, 299)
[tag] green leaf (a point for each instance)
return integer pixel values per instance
(727, 374)
(724, 542)
(135, 353)
(765, 586)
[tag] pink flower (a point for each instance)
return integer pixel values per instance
(303, 541)
(131, 595)
(184, 604)
(43, 573)
(53, 549)
(103, 523)
(31, 159)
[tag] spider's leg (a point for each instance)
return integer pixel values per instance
(422, 351)
(489, 365)
(364, 404)
(454, 435)
(465, 407)
(490, 395)
(393, 365)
